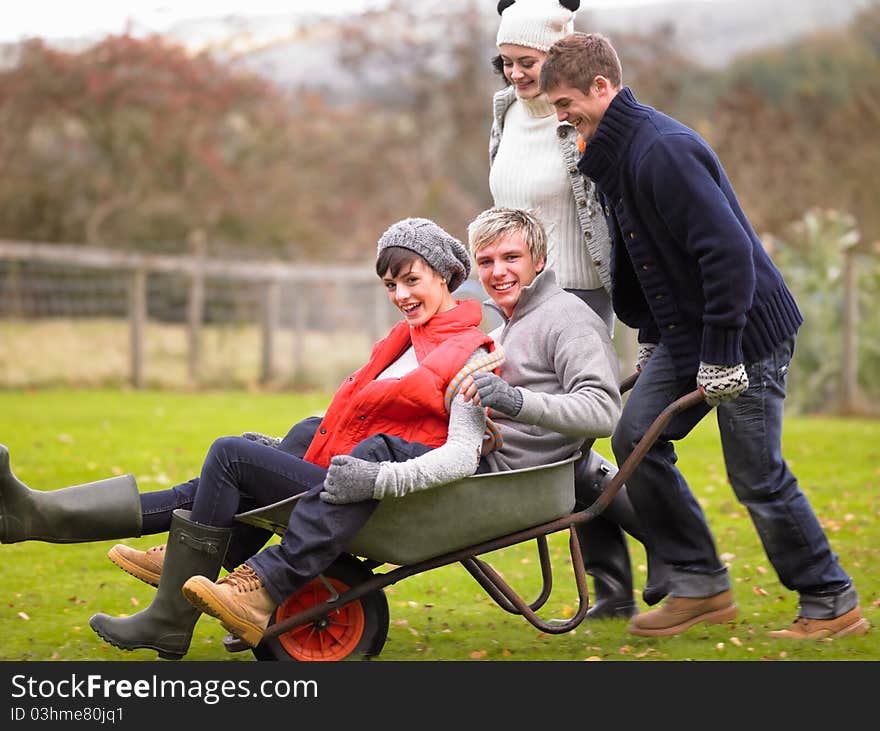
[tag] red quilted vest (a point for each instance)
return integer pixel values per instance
(410, 407)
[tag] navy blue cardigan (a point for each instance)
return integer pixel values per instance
(687, 267)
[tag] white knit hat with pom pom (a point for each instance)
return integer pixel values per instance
(535, 23)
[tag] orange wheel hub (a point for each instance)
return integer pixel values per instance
(331, 637)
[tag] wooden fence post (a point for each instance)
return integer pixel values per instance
(849, 361)
(196, 305)
(271, 309)
(12, 304)
(299, 336)
(137, 315)
(380, 315)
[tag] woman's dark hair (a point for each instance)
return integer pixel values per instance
(498, 68)
(394, 258)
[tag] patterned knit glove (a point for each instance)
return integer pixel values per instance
(349, 480)
(646, 350)
(498, 394)
(255, 436)
(720, 383)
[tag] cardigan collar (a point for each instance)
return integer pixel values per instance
(606, 148)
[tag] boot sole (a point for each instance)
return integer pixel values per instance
(719, 616)
(145, 575)
(855, 629)
(199, 593)
(164, 654)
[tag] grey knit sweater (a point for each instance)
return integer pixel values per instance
(560, 356)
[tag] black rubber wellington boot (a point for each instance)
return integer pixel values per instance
(167, 624)
(606, 550)
(606, 559)
(95, 511)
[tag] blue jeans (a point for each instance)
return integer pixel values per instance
(751, 434)
(318, 532)
(239, 475)
(156, 507)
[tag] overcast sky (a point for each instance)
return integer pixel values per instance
(75, 18)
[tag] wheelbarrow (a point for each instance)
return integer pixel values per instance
(343, 613)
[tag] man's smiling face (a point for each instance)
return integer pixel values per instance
(506, 266)
(582, 111)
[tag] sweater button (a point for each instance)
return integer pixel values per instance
(607, 211)
(572, 170)
(671, 327)
(582, 202)
(362, 417)
(632, 235)
(323, 430)
(597, 262)
(659, 296)
(588, 235)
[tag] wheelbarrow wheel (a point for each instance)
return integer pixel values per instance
(356, 630)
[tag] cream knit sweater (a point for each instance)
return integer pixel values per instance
(528, 172)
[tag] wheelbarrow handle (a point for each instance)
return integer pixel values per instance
(644, 445)
(627, 383)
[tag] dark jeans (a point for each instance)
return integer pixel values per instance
(318, 532)
(239, 475)
(157, 507)
(751, 434)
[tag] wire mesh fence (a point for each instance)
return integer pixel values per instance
(71, 315)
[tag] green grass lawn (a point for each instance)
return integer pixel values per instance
(64, 437)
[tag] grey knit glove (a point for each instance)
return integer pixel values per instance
(646, 350)
(720, 383)
(255, 436)
(349, 480)
(498, 394)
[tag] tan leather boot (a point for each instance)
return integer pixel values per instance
(804, 628)
(238, 600)
(678, 613)
(143, 565)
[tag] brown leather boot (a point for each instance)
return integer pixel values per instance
(238, 600)
(678, 613)
(805, 628)
(143, 565)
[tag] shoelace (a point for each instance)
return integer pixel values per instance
(244, 578)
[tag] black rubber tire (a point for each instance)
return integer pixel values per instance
(349, 571)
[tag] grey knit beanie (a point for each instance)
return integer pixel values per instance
(444, 253)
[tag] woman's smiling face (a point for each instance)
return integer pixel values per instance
(522, 68)
(418, 292)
